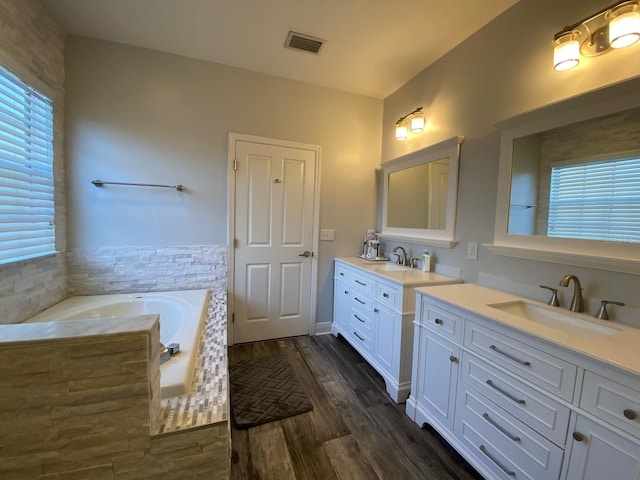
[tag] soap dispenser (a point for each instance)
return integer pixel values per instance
(426, 261)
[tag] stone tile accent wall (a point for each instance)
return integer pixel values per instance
(86, 407)
(30, 286)
(100, 270)
(33, 43)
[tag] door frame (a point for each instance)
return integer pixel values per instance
(231, 222)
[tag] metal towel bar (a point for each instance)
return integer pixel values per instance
(100, 183)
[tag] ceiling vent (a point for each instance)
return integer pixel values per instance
(304, 43)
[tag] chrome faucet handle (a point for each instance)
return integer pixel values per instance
(554, 297)
(602, 311)
(413, 263)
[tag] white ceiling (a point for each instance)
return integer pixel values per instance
(372, 47)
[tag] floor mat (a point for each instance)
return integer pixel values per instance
(265, 389)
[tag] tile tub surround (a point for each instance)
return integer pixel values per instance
(207, 402)
(129, 269)
(85, 405)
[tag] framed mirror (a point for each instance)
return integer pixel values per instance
(569, 182)
(420, 192)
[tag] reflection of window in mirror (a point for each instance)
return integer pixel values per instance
(579, 181)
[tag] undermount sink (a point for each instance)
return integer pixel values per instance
(388, 267)
(570, 322)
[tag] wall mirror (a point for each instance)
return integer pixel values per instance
(569, 183)
(420, 193)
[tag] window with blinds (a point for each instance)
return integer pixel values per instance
(26, 171)
(596, 200)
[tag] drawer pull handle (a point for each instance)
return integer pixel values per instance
(484, 450)
(578, 437)
(500, 427)
(453, 359)
(342, 274)
(438, 321)
(359, 301)
(630, 414)
(356, 334)
(505, 393)
(510, 357)
(385, 295)
(358, 318)
(375, 310)
(361, 283)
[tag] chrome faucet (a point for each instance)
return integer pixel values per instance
(404, 256)
(577, 305)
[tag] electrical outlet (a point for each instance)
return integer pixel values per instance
(327, 234)
(472, 250)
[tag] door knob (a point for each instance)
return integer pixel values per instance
(306, 253)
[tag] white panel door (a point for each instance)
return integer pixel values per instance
(274, 195)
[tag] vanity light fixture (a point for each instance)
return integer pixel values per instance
(414, 121)
(616, 26)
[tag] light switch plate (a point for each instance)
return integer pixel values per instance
(472, 250)
(327, 234)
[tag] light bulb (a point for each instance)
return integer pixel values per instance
(624, 28)
(566, 51)
(402, 132)
(417, 122)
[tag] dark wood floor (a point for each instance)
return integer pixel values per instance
(355, 430)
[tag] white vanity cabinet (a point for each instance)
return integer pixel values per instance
(374, 310)
(516, 405)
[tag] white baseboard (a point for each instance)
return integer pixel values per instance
(323, 328)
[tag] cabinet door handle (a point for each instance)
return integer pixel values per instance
(500, 427)
(385, 295)
(346, 292)
(510, 357)
(342, 274)
(356, 334)
(438, 321)
(578, 437)
(630, 414)
(375, 310)
(484, 450)
(361, 283)
(505, 393)
(453, 359)
(359, 301)
(358, 318)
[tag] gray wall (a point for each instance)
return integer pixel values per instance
(503, 70)
(140, 115)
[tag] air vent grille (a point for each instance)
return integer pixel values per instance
(304, 43)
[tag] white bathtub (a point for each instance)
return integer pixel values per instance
(182, 315)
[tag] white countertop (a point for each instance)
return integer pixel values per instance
(619, 349)
(407, 277)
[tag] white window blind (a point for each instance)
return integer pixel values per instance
(26, 171)
(596, 200)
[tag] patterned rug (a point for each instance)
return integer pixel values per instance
(265, 389)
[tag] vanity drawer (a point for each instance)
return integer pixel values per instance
(361, 340)
(362, 301)
(546, 371)
(363, 282)
(612, 402)
(444, 323)
(342, 273)
(542, 413)
(389, 295)
(508, 445)
(361, 320)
